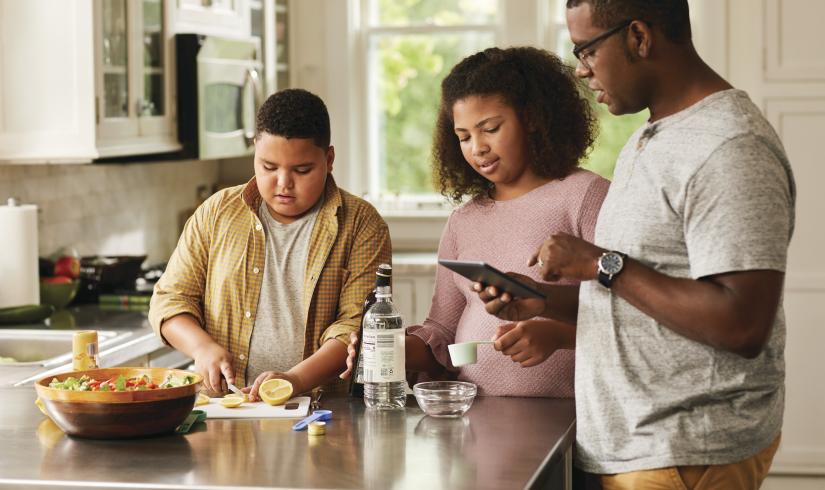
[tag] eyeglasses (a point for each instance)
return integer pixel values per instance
(585, 50)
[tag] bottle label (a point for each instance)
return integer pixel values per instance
(383, 355)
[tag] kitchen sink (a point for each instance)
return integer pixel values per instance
(44, 347)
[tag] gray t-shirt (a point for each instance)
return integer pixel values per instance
(704, 191)
(277, 342)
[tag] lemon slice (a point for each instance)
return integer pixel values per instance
(231, 401)
(202, 399)
(275, 391)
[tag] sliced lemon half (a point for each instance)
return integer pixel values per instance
(275, 391)
(202, 399)
(233, 401)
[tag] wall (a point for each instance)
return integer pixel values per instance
(115, 209)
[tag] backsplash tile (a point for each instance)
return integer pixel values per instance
(109, 209)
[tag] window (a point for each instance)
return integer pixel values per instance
(411, 45)
(405, 49)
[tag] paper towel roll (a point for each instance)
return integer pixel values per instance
(19, 284)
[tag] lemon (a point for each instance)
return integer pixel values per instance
(202, 399)
(275, 391)
(42, 407)
(231, 401)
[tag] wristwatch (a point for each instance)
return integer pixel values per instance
(610, 266)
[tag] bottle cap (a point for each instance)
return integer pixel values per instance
(384, 275)
(317, 428)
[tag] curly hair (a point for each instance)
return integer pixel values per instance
(545, 94)
(295, 113)
(672, 16)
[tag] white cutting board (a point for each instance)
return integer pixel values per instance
(256, 410)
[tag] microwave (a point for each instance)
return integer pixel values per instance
(219, 93)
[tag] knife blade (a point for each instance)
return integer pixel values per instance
(234, 389)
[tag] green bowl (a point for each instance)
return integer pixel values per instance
(58, 295)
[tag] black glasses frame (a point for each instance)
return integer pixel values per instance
(579, 50)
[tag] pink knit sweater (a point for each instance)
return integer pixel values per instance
(505, 234)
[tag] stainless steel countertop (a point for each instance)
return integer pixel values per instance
(500, 443)
(135, 339)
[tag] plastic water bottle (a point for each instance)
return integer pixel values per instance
(382, 350)
(356, 386)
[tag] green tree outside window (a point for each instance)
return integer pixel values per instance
(408, 69)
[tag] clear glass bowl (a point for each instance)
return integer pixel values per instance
(445, 398)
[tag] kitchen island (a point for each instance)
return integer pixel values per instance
(500, 443)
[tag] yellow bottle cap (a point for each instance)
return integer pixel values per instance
(317, 428)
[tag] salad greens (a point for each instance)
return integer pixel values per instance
(120, 383)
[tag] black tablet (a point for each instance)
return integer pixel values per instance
(490, 276)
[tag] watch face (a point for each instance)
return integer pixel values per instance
(611, 263)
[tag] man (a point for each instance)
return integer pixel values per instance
(268, 278)
(680, 336)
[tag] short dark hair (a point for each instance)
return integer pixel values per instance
(671, 16)
(295, 113)
(544, 93)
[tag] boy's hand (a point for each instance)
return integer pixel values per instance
(352, 355)
(252, 391)
(214, 363)
(531, 342)
(504, 306)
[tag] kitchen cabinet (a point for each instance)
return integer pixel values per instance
(82, 80)
(269, 22)
(134, 79)
(229, 18)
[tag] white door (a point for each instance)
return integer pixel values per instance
(773, 49)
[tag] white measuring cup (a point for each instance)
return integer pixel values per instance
(465, 352)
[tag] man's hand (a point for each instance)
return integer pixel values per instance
(531, 342)
(564, 256)
(214, 363)
(252, 391)
(352, 355)
(504, 306)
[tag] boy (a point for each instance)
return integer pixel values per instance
(268, 278)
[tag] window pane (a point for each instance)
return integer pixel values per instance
(432, 12)
(115, 95)
(153, 95)
(114, 33)
(613, 130)
(405, 87)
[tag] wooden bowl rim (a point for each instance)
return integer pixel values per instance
(157, 375)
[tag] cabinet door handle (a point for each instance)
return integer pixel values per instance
(253, 79)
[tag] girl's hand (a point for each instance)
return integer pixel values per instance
(531, 342)
(504, 306)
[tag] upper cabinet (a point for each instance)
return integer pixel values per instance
(134, 79)
(229, 18)
(269, 22)
(85, 80)
(82, 80)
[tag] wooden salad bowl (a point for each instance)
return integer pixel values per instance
(119, 414)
